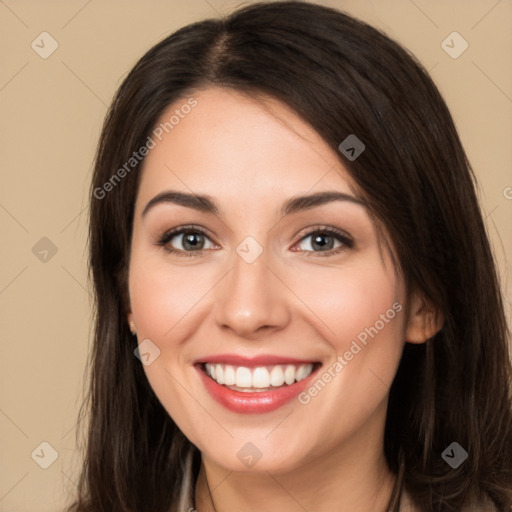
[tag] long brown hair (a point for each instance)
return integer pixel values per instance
(343, 77)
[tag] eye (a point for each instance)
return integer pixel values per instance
(191, 238)
(324, 239)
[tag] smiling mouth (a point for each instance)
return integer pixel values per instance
(260, 378)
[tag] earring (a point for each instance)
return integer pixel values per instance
(132, 328)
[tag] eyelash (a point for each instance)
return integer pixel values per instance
(348, 243)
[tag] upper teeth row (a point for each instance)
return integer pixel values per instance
(259, 377)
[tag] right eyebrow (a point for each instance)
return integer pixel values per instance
(202, 203)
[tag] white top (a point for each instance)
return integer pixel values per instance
(186, 500)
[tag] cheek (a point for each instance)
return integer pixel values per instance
(347, 302)
(162, 300)
(358, 312)
(161, 295)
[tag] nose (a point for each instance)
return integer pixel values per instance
(252, 300)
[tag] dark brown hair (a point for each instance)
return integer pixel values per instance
(343, 77)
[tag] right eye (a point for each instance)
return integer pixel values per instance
(191, 238)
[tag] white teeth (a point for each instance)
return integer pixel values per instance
(289, 374)
(260, 377)
(243, 377)
(277, 376)
(229, 375)
(302, 372)
(219, 374)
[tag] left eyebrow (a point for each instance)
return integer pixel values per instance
(299, 203)
(206, 204)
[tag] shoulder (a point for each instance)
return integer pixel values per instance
(406, 503)
(487, 505)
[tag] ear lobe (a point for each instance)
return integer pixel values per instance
(131, 323)
(425, 320)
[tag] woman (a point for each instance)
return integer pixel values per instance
(285, 219)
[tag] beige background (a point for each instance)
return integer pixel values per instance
(52, 110)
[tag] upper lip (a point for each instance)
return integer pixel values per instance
(262, 360)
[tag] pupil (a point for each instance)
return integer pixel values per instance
(320, 237)
(189, 239)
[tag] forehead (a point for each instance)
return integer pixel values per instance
(231, 143)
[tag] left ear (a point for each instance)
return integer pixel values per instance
(424, 320)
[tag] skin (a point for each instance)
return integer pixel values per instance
(251, 155)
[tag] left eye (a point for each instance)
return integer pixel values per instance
(318, 241)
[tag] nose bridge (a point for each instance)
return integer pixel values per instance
(252, 296)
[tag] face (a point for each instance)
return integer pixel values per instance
(259, 291)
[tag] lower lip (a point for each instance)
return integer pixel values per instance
(257, 402)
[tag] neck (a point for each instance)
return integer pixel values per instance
(351, 477)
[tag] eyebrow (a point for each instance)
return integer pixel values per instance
(206, 204)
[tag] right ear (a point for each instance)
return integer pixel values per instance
(425, 320)
(131, 323)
